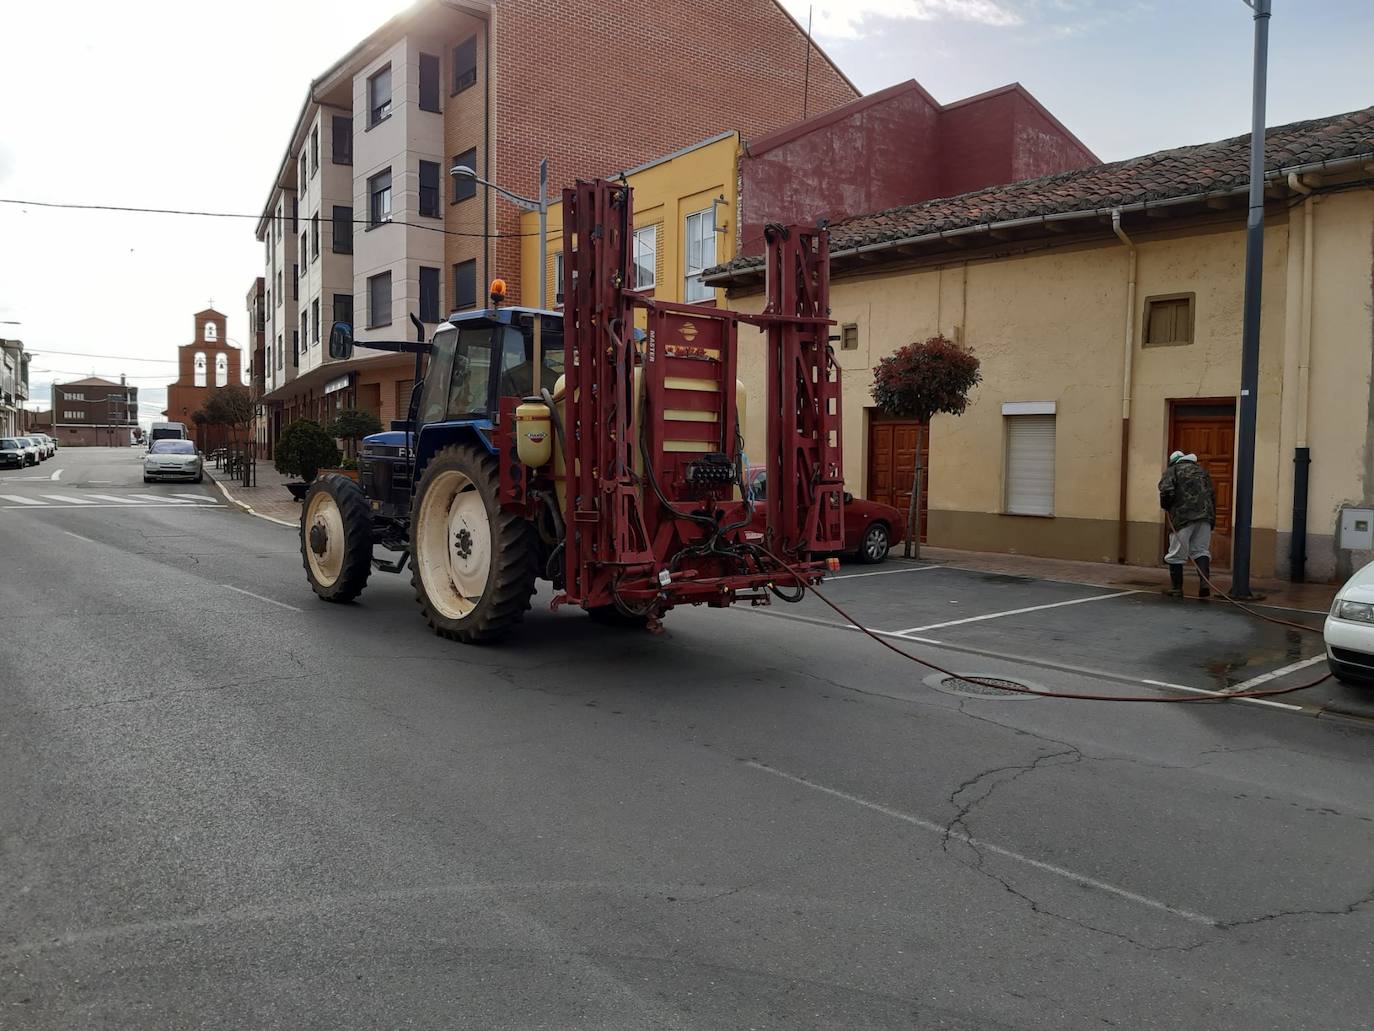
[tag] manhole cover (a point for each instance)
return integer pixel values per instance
(981, 686)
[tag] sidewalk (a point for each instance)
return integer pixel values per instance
(1280, 593)
(269, 499)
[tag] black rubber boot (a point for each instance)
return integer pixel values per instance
(1175, 581)
(1204, 568)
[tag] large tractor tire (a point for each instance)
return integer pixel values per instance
(336, 538)
(472, 565)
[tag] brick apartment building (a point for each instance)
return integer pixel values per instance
(208, 362)
(349, 225)
(94, 412)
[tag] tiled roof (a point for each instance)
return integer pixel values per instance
(1181, 172)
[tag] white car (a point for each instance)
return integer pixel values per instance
(1349, 630)
(45, 444)
(33, 454)
(13, 452)
(172, 460)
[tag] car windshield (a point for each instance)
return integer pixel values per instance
(26, 442)
(173, 447)
(9, 444)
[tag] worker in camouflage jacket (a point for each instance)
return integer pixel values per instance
(1187, 495)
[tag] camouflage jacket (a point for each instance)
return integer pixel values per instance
(1186, 493)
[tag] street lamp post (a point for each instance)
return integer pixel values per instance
(1250, 327)
(540, 204)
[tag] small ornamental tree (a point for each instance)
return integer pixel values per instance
(918, 382)
(352, 425)
(303, 449)
(231, 407)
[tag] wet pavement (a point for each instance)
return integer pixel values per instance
(1131, 635)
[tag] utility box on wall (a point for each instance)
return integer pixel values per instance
(1357, 529)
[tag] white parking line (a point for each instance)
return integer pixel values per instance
(116, 498)
(883, 572)
(984, 846)
(195, 497)
(70, 501)
(270, 601)
(165, 499)
(1013, 612)
(20, 501)
(1264, 678)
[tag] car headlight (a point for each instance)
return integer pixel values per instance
(1358, 611)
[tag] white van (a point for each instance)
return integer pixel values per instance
(166, 431)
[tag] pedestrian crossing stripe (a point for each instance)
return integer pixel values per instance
(18, 501)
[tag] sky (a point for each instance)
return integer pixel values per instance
(176, 104)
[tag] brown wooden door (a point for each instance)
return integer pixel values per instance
(892, 463)
(1208, 430)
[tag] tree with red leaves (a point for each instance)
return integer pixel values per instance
(919, 381)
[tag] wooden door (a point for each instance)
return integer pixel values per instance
(1208, 430)
(892, 463)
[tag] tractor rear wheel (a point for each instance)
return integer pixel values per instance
(472, 565)
(336, 538)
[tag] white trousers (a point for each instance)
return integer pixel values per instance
(1189, 542)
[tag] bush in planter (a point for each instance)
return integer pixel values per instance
(303, 449)
(353, 425)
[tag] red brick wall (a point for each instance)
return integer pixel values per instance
(602, 85)
(881, 154)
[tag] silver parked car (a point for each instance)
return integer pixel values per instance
(33, 454)
(172, 460)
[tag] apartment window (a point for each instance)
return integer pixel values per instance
(314, 236)
(701, 254)
(269, 352)
(315, 321)
(73, 415)
(314, 150)
(343, 308)
(300, 168)
(429, 189)
(429, 82)
(1168, 320)
(463, 187)
(849, 337)
(343, 229)
(279, 352)
(379, 96)
(269, 295)
(296, 346)
(379, 300)
(295, 213)
(303, 250)
(646, 257)
(465, 285)
(295, 282)
(281, 294)
(341, 140)
(379, 198)
(558, 277)
(300, 336)
(429, 294)
(1029, 475)
(279, 221)
(465, 64)
(73, 397)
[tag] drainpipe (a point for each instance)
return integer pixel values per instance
(1127, 355)
(1302, 456)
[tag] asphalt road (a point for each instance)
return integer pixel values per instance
(225, 804)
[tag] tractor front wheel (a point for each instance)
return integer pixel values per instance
(472, 565)
(336, 538)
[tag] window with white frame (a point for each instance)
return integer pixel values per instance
(646, 257)
(73, 396)
(1029, 458)
(73, 415)
(701, 254)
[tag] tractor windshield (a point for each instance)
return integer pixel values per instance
(460, 384)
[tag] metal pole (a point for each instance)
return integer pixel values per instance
(1250, 331)
(544, 234)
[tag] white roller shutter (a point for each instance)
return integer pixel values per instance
(1030, 464)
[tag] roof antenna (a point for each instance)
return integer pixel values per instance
(806, 86)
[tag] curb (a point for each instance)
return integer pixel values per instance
(248, 508)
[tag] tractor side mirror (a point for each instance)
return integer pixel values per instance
(341, 341)
(848, 497)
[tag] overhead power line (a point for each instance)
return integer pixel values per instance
(105, 357)
(234, 214)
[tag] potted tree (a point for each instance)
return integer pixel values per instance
(351, 426)
(303, 449)
(919, 381)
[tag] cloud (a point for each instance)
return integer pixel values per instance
(846, 19)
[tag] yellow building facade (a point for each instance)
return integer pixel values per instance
(1106, 341)
(685, 205)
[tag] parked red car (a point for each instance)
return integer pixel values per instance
(870, 527)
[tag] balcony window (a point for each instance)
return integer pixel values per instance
(464, 187)
(314, 150)
(343, 229)
(379, 198)
(429, 294)
(465, 64)
(465, 285)
(429, 189)
(379, 96)
(379, 299)
(343, 308)
(701, 255)
(429, 82)
(341, 140)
